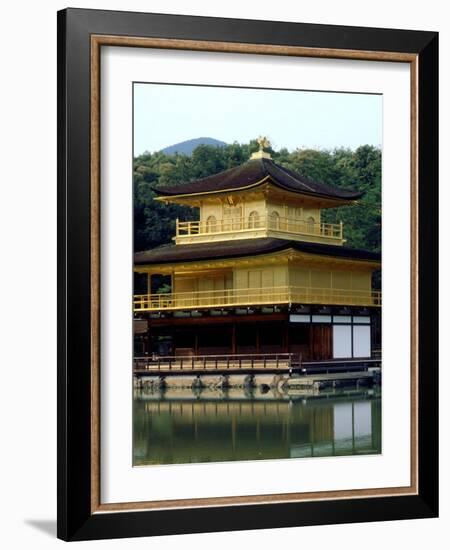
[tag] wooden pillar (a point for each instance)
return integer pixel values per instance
(233, 338)
(311, 342)
(149, 283)
(286, 337)
(330, 341)
(196, 342)
(147, 340)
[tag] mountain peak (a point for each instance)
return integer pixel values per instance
(186, 147)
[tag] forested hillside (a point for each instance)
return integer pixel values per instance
(154, 223)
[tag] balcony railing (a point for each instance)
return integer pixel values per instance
(262, 223)
(227, 363)
(255, 296)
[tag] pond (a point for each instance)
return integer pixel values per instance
(182, 426)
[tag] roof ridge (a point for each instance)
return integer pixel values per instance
(254, 172)
(170, 186)
(308, 181)
(290, 175)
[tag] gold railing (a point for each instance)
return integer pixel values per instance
(283, 225)
(256, 296)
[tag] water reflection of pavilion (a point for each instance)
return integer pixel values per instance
(197, 430)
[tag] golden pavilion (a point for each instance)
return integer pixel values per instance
(258, 272)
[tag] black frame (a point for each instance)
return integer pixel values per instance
(75, 521)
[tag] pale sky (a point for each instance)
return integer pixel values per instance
(165, 114)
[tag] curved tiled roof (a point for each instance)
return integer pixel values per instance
(252, 173)
(245, 247)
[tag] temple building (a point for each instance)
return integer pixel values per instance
(258, 272)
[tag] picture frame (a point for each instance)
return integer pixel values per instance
(81, 36)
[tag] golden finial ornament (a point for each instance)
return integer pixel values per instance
(263, 143)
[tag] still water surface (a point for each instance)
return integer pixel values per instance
(213, 426)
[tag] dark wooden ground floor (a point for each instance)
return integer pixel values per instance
(314, 338)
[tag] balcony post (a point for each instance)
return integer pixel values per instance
(341, 232)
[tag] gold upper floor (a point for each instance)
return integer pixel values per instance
(256, 215)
